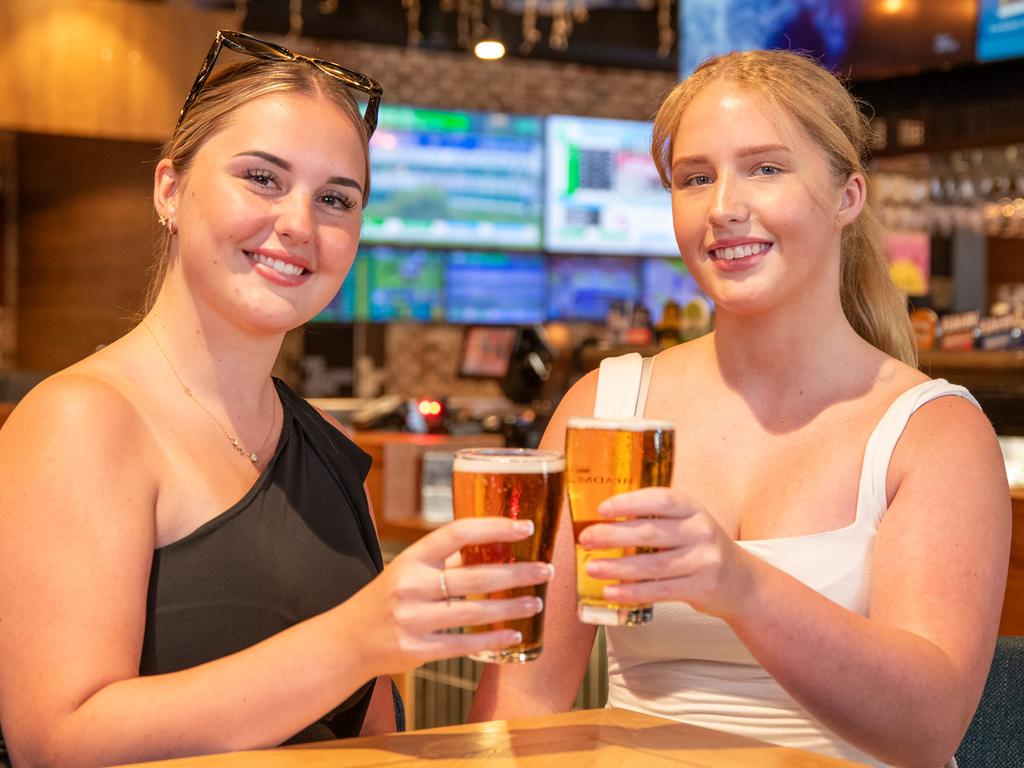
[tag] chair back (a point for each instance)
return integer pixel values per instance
(995, 737)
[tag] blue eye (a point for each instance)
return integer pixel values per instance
(697, 179)
(769, 170)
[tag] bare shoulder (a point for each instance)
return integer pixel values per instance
(949, 444)
(75, 425)
(578, 401)
(73, 403)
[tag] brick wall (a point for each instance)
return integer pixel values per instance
(450, 80)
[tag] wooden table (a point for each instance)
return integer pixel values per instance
(594, 738)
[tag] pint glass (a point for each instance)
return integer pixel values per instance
(524, 485)
(606, 457)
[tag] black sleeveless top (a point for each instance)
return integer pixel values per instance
(300, 542)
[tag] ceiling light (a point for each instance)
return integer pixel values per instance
(489, 49)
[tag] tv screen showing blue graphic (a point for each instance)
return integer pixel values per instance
(342, 308)
(387, 284)
(859, 38)
(496, 288)
(405, 284)
(1000, 29)
(665, 279)
(467, 179)
(603, 194)
(581, 288)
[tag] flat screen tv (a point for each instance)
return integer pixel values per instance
(582, 287)
(388, 284)
(468, 179)
(495, 288)
(342, 308)
(1000, 29)
(405, 284)
(665, 279)
(603, 194)
(855, 38)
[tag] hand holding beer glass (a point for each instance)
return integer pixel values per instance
(524, 485)
(606, 457)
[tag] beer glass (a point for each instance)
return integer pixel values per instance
(524, 485)
(605, 457)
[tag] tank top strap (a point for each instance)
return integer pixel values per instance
(871, 496)
(346, 462)
(622, 386)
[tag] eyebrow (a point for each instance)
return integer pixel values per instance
(342, 181)
(760, 149)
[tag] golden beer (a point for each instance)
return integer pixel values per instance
(605, 457)
(524, 485)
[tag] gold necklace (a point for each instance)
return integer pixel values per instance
(239, 448)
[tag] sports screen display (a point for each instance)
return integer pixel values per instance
(469, 179)
(1000, 29)
(665, 279)
(387, 284)
(495, 288)
(581, 288)
(603, 194)
(858, 38)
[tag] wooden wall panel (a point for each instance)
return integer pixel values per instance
(86, 233)
(100, 67)
(1005, 263)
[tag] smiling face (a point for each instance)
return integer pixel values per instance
(757, 211)
(269, 211)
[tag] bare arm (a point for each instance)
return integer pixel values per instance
(938, 574)
(76, 541)
(548, 684)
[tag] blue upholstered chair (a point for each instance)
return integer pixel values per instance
(995, 737)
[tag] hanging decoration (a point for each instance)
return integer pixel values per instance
(565, 16)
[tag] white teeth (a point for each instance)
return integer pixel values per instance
(740, 251)
(283, 267)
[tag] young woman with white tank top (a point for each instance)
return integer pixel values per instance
(831, 555)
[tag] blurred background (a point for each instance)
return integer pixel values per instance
(517, 232)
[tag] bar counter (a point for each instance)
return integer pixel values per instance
(590, 738)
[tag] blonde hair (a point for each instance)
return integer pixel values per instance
(818, 103)
(226, 91)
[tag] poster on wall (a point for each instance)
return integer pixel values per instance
(910, 261)
(1000, 29)
(850, 37)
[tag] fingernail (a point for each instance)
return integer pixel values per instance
(523, 526)
(517, 638)
(539, 602)
(551, 570)
(532, 604)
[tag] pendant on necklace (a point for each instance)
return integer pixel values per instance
(241, 451)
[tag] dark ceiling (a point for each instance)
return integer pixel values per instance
(620, 33)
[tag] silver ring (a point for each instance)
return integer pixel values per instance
(444, 586)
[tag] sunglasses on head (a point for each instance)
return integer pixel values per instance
(261, 49)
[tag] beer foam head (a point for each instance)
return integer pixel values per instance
(621, 425)
(493, 461)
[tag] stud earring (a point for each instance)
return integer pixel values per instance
(167, 223)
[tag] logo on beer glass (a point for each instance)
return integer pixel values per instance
(525, 485)
(605, 457)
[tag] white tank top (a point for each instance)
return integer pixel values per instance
(692, 667)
